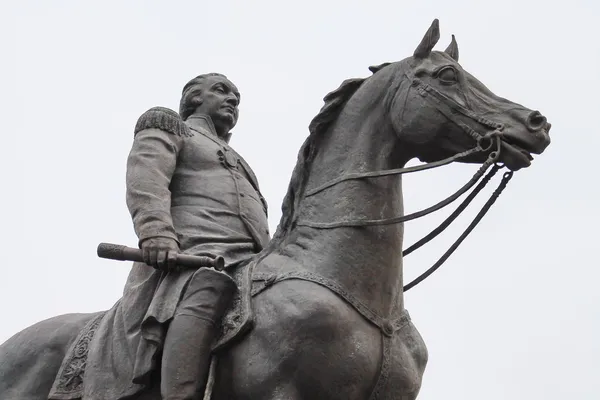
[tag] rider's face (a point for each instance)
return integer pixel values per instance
(220, 99)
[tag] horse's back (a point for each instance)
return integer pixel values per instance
(30, 360)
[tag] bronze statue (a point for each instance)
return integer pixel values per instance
(319, 312)
(188, 191)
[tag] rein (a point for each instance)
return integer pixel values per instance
(505, 179)
(449, 108)
(395, 220)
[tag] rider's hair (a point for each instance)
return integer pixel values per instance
(191, 95)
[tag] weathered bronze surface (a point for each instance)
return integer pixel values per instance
(317, 312)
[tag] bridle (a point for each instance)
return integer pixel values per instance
(484, 143)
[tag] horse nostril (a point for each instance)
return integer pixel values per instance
(536, 121)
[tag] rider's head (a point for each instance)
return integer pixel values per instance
(211, 95)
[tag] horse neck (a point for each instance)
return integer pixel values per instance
(365, 260)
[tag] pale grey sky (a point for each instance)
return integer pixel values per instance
(515, 312)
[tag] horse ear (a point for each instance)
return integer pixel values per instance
(452, 49)
(375, 68)
(429, 40)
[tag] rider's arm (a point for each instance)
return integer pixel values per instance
(150, 167)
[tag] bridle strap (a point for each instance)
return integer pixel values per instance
(448, 107)
(507, 176)
(452, 106)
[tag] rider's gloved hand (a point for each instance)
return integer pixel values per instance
(160, 253)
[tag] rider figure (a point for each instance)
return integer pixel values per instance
(188, 192)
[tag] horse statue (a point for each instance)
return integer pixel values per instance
(326, 295)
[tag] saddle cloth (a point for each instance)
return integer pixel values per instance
(237, 321)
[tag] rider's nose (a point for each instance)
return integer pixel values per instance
(233, 100)
(536, 121)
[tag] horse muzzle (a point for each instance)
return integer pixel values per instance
(518, 147)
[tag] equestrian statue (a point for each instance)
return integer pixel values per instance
(214, 308)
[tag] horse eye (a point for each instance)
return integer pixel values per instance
(447, 75)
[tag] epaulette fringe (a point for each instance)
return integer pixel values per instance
(164, 119)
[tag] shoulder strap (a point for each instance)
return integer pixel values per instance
(164, 119)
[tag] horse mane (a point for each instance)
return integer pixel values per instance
(320, 124)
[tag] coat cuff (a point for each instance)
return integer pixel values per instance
(154, 224)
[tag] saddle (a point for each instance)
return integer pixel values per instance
(238, 320)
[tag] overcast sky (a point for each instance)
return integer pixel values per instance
(514, 313)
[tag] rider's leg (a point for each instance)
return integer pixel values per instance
(187, 347)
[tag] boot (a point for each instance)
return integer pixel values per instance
(187, 346)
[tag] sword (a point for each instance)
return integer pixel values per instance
(124, 253)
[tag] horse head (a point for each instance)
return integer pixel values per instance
(438, 109)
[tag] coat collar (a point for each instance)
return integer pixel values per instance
(205, 123)
(202, 123)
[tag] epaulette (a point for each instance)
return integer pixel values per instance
(164, 119)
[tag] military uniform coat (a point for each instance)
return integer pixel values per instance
(184, 183)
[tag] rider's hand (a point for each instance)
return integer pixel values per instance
(160, 253)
